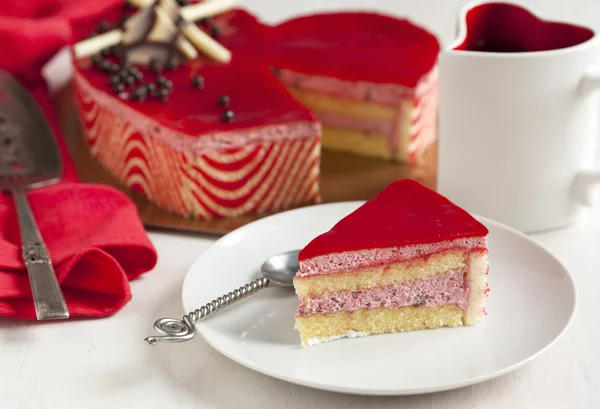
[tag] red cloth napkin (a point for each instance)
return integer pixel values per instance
(93, 233)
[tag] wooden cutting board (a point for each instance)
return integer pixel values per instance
(344, 177)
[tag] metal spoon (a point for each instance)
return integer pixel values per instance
(278, 270)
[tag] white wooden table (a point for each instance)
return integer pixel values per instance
(105, 363)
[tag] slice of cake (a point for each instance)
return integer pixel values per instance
(199, 138)
(370, 79)
(408, 259)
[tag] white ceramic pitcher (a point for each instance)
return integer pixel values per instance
(518, 117)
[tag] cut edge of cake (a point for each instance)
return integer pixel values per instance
(385, 121)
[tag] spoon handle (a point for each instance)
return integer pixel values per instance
(174, 330)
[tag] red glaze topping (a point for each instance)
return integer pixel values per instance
(350, 46)
(257, 98)
(354, 47)
(404, 213)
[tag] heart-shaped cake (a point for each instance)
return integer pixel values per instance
(205, 139)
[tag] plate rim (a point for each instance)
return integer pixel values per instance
(390, 392)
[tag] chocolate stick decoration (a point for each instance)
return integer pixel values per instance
(97, 43)
(182, 44)
(151, 25)
(191, 13)
(197, 37)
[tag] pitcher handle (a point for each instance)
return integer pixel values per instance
(590, 82)
(585, 189)
(587, 182)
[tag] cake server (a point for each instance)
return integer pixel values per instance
(29, 158)
(278, 270)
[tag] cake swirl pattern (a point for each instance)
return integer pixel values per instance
(271, 175)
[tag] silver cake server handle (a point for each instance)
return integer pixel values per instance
(47, 296)
(174, 330)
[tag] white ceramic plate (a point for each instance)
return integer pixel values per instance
(531, 303)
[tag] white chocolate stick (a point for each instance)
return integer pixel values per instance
(93, 45)
(205, 43)
(210, 8)
(140, 4)
(166, 24)
(186, 48)
(202, 41)
(194, 12)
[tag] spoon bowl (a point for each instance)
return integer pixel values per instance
(282, 268)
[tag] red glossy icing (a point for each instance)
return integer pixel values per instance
(404, 213)
(257, 97)
(354, 46)
(503, 27)
(351, 46)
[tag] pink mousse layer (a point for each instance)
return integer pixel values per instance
(355, 90)
(355, 260)
(442, 289)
